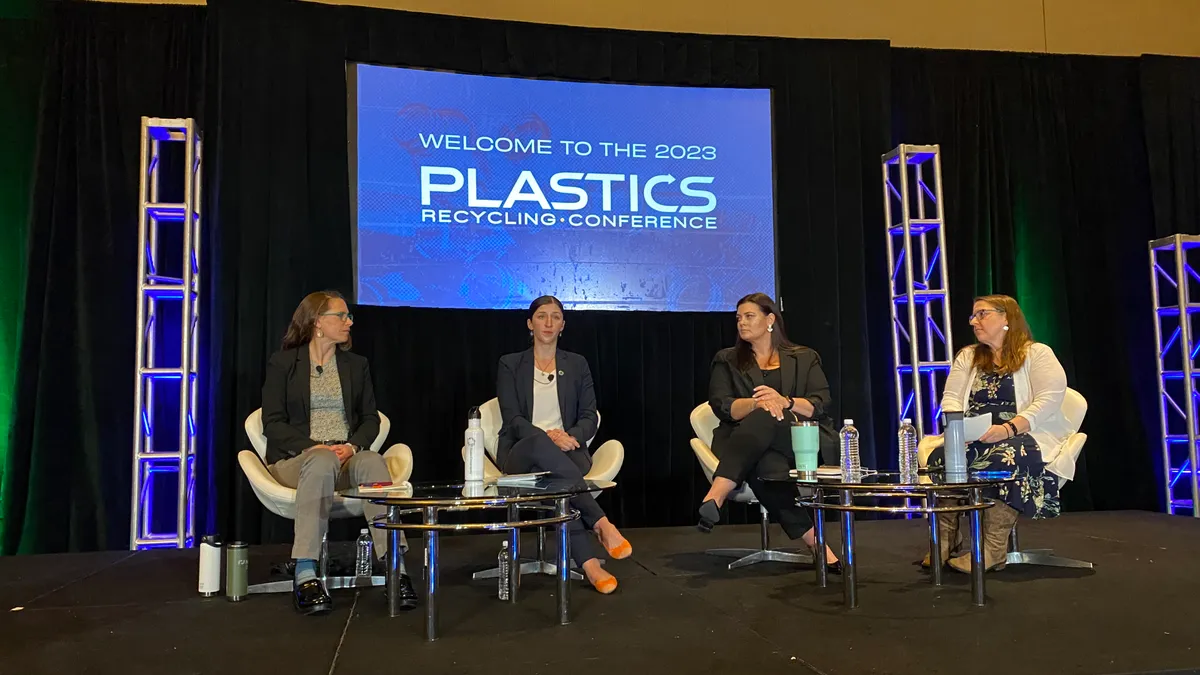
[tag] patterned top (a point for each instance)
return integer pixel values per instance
(327, 410)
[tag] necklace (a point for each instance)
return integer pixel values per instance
(549, 365)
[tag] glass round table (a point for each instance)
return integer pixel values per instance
(431, 499)
(937, 493)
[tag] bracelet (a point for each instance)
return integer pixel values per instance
(1012, 429)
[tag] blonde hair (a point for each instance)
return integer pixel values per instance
(1016, 343)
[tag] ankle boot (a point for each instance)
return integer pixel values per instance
(998, 522)
(948, 539)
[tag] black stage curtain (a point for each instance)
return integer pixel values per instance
(1171, 106)
(284, 230)
(68, 485)
(1048, 200)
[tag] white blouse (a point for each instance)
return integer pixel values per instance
(546, 414)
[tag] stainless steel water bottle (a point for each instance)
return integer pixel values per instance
(237, 562)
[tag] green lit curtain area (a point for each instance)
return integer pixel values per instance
(21, 58)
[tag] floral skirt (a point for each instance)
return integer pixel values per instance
(1035, 494)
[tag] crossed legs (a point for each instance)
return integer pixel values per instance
(539, 453)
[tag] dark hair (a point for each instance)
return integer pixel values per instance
(544, 300)
(779, 341)
(300, 330)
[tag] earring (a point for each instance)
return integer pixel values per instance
(321, 334)
(1006, 328)
(530, 333)
(770, 329)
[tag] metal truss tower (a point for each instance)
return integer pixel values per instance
(164, 440)
(922, 349)
(1173, 279)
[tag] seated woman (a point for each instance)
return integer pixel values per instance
(549, 412)
(1021, 385)
(319, 417)
(757, 388)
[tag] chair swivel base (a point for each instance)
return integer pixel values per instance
(752, 556)
(530, 567)
(331, 584)
(1046, 558)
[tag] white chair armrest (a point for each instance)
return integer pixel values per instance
(1063, 465)
(607, 461)
(399, 462)
(926, 447)
(278, 499)
(704, 454)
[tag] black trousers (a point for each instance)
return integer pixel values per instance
(539, 453)
(761, 446)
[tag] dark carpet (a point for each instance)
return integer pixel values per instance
(676, 611)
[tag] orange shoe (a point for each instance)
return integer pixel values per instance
(606, 585)
(619, 552)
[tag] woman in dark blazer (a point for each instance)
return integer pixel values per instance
(319, 417)
(757, 388)
(548, 408)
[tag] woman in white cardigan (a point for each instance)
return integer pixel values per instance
(1021, 385)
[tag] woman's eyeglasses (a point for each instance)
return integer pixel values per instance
(344, 316)
(978, 316)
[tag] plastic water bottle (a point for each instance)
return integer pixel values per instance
(503, 562)
(848, 441)
(363, 549)
(474, 445)
(908, 450)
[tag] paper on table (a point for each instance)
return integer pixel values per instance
(974, 427)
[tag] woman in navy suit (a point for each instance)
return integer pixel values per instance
(548, 408)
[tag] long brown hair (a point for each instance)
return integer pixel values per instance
(300, 330)
(779, 341)
(1016, 343)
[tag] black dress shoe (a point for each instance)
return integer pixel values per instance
(310, 598)
(710, 515)
(408, 596)
(834, 567)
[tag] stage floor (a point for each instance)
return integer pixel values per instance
(676, 611)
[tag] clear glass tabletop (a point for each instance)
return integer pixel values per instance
(833, 479)
(459, 494)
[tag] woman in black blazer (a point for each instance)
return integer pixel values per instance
(319, 417)
(548, 408)
(757, 388)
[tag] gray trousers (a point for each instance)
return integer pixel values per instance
(315, 475)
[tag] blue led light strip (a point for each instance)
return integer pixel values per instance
(1173, 279)
(166, 353)
(922, 346)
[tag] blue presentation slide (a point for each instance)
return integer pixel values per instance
(486, 192)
